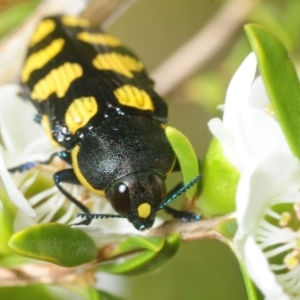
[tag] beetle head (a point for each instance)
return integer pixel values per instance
(137, 197)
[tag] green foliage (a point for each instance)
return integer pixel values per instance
(187, 158)
(56, 243)
(147, 260)
(106, 296)
(227, 228)
(220, 180)
(136, 243)
(29, 292)
(7, 217)
(281, 82)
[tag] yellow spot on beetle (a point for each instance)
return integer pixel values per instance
(144, 210)
(43, 30)
(39, 59)
(79, 175)
(132, 96)
(98, 38)
(79, 113)
(122, 64)
(47, 127)
(57, 80)
(75, 21)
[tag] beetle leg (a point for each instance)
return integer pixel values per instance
(184, 216)
(64, 155)
(68, 176)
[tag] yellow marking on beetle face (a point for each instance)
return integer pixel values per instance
(79, 113)
(47, 128)
(79, 175)
(57, 80)
(43, 30)
(122, 64)
(144, 210)
(75, 21)
(132, 96)
(39, 59)
(98, 38)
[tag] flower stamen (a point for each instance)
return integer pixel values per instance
(278, 236)
(291, 260)
(285, 219)
(269, 110)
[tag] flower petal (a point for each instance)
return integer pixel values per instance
(257, 133)
(238, 91)
(217, 128)
(13, 193)
(260, 181)
(103, 236)
(21, 136)
(258, 95)
(259, 270)
(16, 119)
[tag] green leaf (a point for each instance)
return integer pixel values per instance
(281, 82)
(220, 179)
(187, 158)
(147, 260)
(41, 291)
(227, 228)
(14, 260)
(154, 244)
(87, 292)
(29, 292)
(107, 296)
(56, 243)
(7, 217)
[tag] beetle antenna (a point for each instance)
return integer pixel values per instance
(181, 190)
(177, 193)
(98, 216)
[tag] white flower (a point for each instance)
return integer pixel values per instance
(15, 121)
(268, 192)
(268, 216)
(22, 141)
(249, 127)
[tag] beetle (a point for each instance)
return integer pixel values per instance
(95, 99)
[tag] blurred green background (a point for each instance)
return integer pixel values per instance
(155, 29)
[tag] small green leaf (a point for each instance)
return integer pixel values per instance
(227, 228)
(56, 243)
(220, 179)
(106, 296)
(281, 82)
(87, 292)
(154, 244)
(7, 217)
(187, 158)
(147, 260)
(14, 260)
(131, 266)
(29, 292)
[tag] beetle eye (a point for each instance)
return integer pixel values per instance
(118, 195)
(158, 188)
